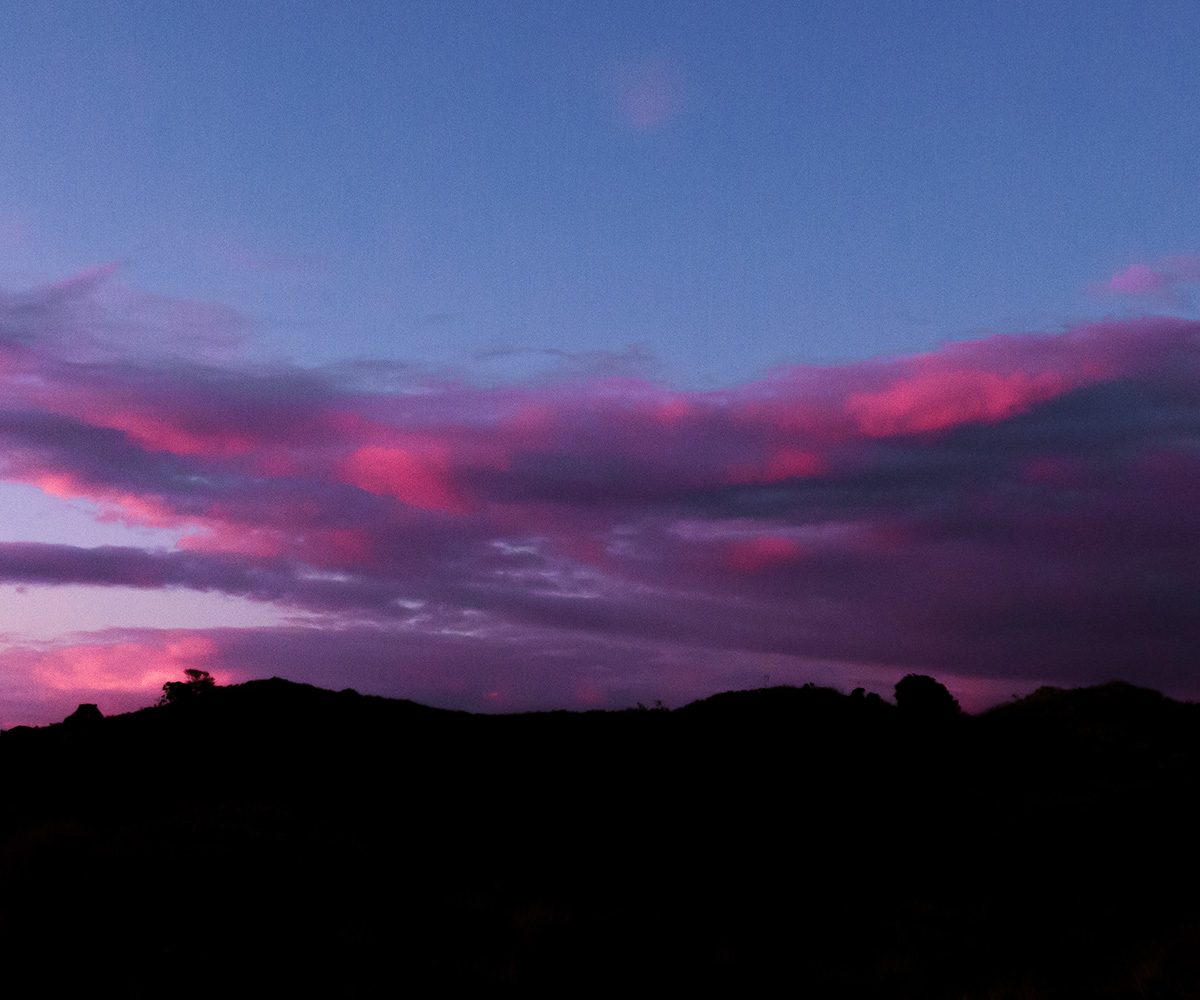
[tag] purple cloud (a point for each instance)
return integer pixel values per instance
(1015, 509)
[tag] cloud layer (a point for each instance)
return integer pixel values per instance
(1010, 509)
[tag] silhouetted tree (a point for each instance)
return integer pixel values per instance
(198, 681)
(920, 696)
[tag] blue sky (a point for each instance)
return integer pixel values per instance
(435, 181)
(508, 194)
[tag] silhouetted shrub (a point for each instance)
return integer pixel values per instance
(84, 715)
(920, 696)
(198, 681)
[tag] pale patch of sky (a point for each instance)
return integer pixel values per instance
(29, 515)
(41, 613)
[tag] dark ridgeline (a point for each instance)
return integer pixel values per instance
(275, 836)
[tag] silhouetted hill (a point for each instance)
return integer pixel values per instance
(334, 842)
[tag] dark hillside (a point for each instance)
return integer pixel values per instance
(339, 843)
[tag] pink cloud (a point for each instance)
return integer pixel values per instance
(756, 554)
(1160, 279)
(122, 667)
(938, 400)
(781, 464)
(45, 684)
(419, 480)
(114, 504)
(1012, 507)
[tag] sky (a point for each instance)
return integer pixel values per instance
(510, 356)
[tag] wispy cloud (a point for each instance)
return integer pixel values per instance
(1016, 507)
(1163, 279)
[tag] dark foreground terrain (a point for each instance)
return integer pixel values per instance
(275, 836)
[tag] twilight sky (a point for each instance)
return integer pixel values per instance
(509, 356)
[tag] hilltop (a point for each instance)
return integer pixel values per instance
(333, 841)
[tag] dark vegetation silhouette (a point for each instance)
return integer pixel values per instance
(922, 697)
(274, 836)
(84, 715)
(198, 682)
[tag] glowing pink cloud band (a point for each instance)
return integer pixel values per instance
(1014, 506)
